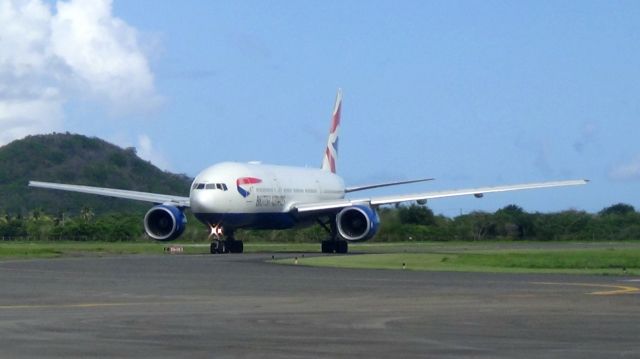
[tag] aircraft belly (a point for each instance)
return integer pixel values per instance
(263, 220)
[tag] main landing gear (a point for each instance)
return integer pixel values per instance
(334, 244)
(227, 245)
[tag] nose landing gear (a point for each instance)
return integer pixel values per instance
(224, 241)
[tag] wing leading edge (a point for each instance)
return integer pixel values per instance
(117, 193)
(386, 184)
(478, 192)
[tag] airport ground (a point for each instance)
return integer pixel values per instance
(203, 306)
(605, 257)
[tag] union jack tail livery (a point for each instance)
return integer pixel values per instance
(331, 152)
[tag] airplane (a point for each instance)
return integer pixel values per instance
(231, 195)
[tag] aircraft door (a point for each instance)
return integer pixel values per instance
(278, 199)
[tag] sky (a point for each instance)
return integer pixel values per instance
(473, 93)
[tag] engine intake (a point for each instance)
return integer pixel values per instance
(357, 223)
(165, 223)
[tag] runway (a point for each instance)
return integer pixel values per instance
(207, 306)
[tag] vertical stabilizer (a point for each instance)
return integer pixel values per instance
(331, 152)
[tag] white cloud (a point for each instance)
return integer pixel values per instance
(24, 36)
(147, 152)
(629, 171)
(102, 51)
(78, 51)
(24, 115)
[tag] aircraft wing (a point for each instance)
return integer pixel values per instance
(117, 193)
(387, 184)
(378, 201)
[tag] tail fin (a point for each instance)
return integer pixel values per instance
(331, 152)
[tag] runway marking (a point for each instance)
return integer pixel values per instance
(615, 289)
(76, 305)
(98, 305)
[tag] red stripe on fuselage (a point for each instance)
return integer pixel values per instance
(248, 180)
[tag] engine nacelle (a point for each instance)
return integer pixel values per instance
(357, 223)
(165, 223)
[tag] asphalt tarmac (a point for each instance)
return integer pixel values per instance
(227, 306)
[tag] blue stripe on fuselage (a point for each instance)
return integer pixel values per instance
(249, 220)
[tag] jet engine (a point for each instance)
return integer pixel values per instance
(164, 223)
(357, 223)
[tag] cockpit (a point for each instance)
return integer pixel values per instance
(209, 186)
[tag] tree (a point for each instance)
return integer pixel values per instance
(86, 214)
(513, 221)
(475, 226)
(617, 209)
(416, 214)
(36, 214)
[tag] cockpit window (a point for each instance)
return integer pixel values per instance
(220, 186)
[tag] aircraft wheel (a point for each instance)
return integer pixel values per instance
(328, 246)
(223, 248)
(342, 246)
(235, 246)
(218, 247)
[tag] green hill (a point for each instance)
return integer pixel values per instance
(77, 159)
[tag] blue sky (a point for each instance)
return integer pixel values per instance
(472, 93)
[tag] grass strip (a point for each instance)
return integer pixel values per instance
(590, 261)
(53, 249)
(491, 256)
(48, 249)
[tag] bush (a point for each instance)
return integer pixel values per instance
(412, 223)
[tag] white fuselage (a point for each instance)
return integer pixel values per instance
(257, 195)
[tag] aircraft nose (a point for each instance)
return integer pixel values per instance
(200, 201)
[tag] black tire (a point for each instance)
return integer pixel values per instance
(328, 246)
(342, 246)
(223, 248)
(235, 246)
(218, 247)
